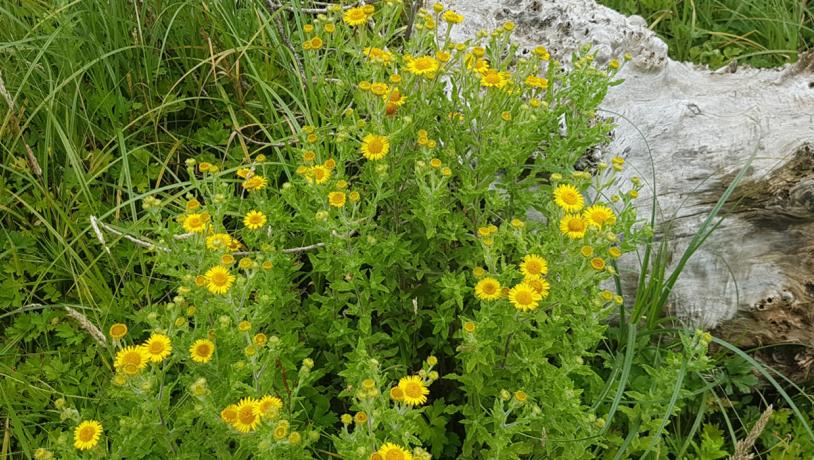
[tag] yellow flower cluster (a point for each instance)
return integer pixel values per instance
(246, 415)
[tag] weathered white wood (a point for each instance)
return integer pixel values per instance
(754, 278)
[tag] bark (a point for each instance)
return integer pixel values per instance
(687, 131)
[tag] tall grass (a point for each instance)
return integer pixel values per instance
(762, 33)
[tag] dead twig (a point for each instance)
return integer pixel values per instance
(88, 326)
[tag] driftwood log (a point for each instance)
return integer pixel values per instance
(687, 131)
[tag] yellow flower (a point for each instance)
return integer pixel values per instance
(469, 327)
(495, 79)
(414, 391)
(479, 272)
(355, 16)
(255, 183)
(446, 171)
(195, 222)
(269, 406)
(313, 44)
(260, 339)
(227, 259)
(244, 326)
(375, 147)
(506, 116)
(131, 360)
(540, 285)
(443, 56)
(336, 199)
(229, 414)
(597, 263)
(520, 395)
(524, 297)
(541, 52)
(587, 251)
(280, 430)
(87, 434)
(254, 220)
(615, 252)
(573, 226)
(158, 346)
(193, 204)
(435, 163)
(396, 394)
(360, 417)
(218, 242)
(346, 419)
(308, 28)
(202, 350)
(378, 88)
(452, 17)
(354, 196)
(248, 415)
(329, 28)
(378, 55)
(536, 82)
(219, 280)
(568, 198)
(319, 174)
(599, 215)
(517, 223)
(508, 26)
(389, 451)
(118, 330)
(533, 265)
(425, 66)
(395, 97)
(488, 289)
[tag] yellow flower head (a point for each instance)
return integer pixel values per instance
(229, 414)
(573, 226)
(533, 266)
(395, 97)
(599, 215)
(425, 66)
(280, 430)
(568, 198)
(378, 55)
(254, 220)
(413, 390)
(541, 52)
(597, 263)
(375, 147)
(248, 415)
(479, 272)
(389, 451)
(86, 434)
(495, 79)
(355, 16)
(218, 242)
(396, 394)
(378, 88)
(524, 297)
(202, 350)
(269, 406)
(452, 17)
(540, 285)
(118, 330)
(360, 417)
(219, 280)
(260, 339)
(255, 183)
(615, 252)
(131, 360)
(158, 346)
(319, 174)
(195, 222)
(337, 199)
(536, 82)
(469, 327)
(488, 289)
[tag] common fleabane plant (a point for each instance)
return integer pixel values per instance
(417, 272)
